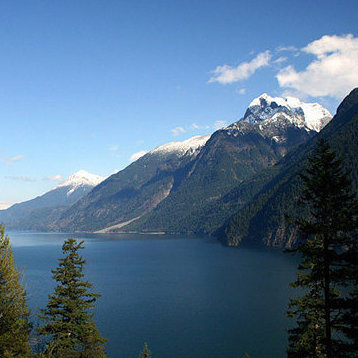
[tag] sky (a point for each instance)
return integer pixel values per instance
(94, 84)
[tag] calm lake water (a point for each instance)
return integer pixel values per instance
(189, 298)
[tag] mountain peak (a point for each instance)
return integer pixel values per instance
(311, 116)
(80, 178)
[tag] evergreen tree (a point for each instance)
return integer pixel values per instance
(14, 324)
(146, 353)
(328, 261)
(349, 320)
(68, 322)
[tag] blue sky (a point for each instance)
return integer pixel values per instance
(86, 84)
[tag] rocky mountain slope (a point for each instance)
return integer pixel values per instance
(265, 108)
(274, 193)
(133, 191)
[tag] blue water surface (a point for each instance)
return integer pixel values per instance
(188, 298)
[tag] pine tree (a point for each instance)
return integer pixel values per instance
(349, 320)
(14, 314)
(328, 261)
(68, 322)
(146, 353)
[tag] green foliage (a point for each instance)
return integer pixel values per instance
(69, 325)
(14, 314)
(328, 265)
(145, 353)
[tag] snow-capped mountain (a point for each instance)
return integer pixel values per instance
(80, 179)
(135, 190)
(311, 116)
(285, 121)
(37, 213)
(186, 147)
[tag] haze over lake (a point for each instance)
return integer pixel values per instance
(185, 297)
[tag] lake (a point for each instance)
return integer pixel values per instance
(185, 297)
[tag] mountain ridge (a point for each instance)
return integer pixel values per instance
(37, 213)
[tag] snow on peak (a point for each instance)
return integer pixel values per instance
(258, 101)
(80, 178)
(313, 116)
(182, 148)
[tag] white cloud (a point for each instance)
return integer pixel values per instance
(20, 178)
(241, 91)
(194, 126)
(286, 48)
(114, 148)
(227, 74)
(12, 160)
(333, 72)
(137, 155)
(280, 59)
(17, 158)
(219, 125)
(5, 204)
(177, 131)
(57, 178)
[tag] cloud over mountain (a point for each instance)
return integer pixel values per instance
(227, 74)
(12, 160)
(332, 69)
(333, 72)
(177, 131)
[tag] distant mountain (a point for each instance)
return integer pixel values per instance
(78, 183)
(269, 129)
(273, 194)
(38, 213)
(133, 191)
